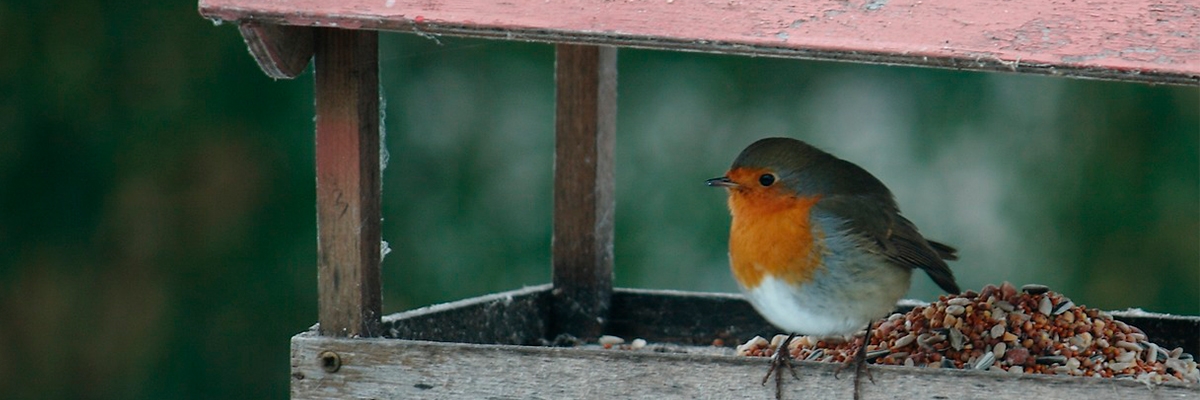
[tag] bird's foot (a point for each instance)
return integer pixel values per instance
(860, 365)
(782, 358)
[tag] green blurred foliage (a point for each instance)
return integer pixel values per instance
(157, 228)
(157, 234)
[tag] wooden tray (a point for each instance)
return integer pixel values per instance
(491, 347)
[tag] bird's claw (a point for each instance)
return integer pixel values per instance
(782, 358)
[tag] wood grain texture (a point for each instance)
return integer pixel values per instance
(582, 242)
(404, 369)
(1132, 40)
(348, 198)
(515, 317)
(688, 318)
(281, 51)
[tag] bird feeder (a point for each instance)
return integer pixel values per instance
(489, 346)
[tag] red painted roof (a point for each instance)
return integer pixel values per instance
(1139, 40)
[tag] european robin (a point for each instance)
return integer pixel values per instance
(818, 245)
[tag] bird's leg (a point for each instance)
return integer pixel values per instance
(860, 363)
(783, 357)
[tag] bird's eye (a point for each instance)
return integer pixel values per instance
(766, 179)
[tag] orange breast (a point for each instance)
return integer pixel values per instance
(771, 234)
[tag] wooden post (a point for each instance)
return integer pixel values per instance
(347, 103)
(585, 125)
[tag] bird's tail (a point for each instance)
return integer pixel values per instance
(944, 251)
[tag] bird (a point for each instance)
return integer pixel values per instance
(818, 246)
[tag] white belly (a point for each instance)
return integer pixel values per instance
(836, 302)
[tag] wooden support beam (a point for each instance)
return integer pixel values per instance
(347, 103)
(281, 51)
(585, 125)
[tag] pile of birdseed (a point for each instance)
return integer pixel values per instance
(1000, 329)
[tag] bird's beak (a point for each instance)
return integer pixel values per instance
(721, 182)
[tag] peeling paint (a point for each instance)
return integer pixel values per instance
(1165, 60)
(1140, 50)
(1088, 57)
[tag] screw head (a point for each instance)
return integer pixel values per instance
(330, 361)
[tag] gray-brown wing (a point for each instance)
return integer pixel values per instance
(876, 218)
(915, 251)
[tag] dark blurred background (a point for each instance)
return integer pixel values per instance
(157, 218)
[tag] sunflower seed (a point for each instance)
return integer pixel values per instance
(997, 331)
(904, 341)
(956, 339)
(999, 315)
(872, 355)
(1051, 360)
(1044, 306)
(985, 361)
(959, 301)
(1063, 307)
(1119, 366)
(1128, 346)
(1035, 289)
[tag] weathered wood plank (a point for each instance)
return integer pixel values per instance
(1169, 331)
(281, 51)
(582, 242)
(516, 317)
(347, 147)
(333, 368)
(1133, 40)
(685, 317)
